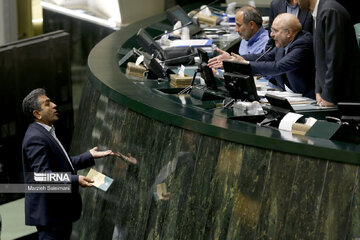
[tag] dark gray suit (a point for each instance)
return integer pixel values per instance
(336, 54)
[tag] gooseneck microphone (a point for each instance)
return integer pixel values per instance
(269, 49)
(186, 58)
(160, 35)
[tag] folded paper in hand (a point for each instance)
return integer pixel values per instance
(100, 180)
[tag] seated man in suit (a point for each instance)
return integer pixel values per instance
(291, 63)
(249, 26)
(42, 152)
(289, 6)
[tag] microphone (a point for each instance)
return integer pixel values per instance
(173, 61)
(269, 49)
(160, 35)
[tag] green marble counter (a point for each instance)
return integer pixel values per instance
(225, 179)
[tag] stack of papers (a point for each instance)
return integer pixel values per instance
(293, 98)
(283, 94)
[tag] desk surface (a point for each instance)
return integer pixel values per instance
(109, 79)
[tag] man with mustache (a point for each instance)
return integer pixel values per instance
(42, 152)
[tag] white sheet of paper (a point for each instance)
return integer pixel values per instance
(191, 42)
(287, 121)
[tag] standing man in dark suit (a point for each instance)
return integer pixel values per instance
(289, 6)
(290, 63)
(336, 53)
(51, 213)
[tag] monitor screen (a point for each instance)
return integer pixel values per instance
(176, 13)
(237, 67)
(239, 81)
(148, 44)
(279, 102)
(241, 86)
(205, 71)
(154, 66)
(349, 108)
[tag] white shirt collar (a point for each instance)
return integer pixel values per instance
(315, 11)
(47, 127)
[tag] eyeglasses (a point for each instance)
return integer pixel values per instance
(277, 30)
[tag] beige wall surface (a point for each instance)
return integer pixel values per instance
(134, 10)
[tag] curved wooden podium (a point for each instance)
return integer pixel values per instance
(200, 175)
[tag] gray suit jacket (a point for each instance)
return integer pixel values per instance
(336, 54)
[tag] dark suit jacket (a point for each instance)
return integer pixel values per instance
(336, 54)
(295, 69)
(279, 6)
(41, 153)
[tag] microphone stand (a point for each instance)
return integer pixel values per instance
(269, 49)
(188, 88)
(160, 35)
(181, 57)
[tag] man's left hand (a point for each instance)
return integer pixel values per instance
(99, 154)
(323, 103)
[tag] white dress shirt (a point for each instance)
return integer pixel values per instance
(52, 132)
(315, 12)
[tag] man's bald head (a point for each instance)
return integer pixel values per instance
(284, 29)
(289, 21)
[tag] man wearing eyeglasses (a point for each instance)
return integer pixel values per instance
(290, 63)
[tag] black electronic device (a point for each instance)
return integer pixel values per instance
(156, 69)
(279, 104)
(171, 56)
(206, 72)
(349, 111)
(350, 116)
(241, 87)
(148, 44)
(239, 81)
(237, 67)
(175, 56)
(177, 13)
(278, 108)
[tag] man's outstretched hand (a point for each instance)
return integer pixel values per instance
(216, 62)
(85, 181)
(99, 154)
